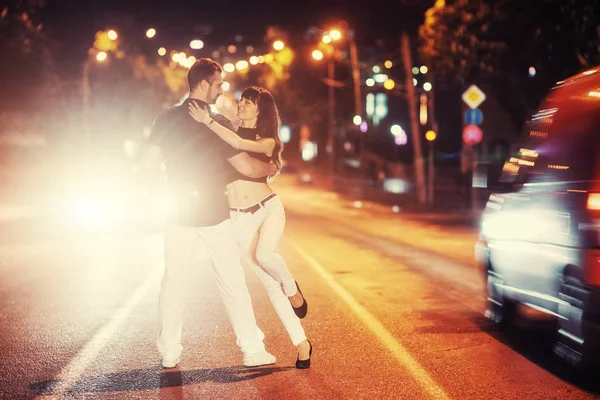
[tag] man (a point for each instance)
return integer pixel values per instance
(199, 166)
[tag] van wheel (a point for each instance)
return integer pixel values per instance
(499, 309)
(576, 340)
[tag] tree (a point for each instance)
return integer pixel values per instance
(23, 54)
(129, 88)
(496, 42)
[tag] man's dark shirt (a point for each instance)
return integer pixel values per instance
(196, 164)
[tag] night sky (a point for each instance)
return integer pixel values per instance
(179, 20)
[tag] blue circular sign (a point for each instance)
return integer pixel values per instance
(473, 117)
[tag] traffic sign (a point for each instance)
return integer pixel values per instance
(472, 134)
(473, 96)
(473, 116)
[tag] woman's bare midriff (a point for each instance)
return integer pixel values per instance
(242, 194)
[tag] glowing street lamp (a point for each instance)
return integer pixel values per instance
(317, 55)
(101, 56)
(150, 33)
(396, 130)
(430, 135)
(335, 34)
(196, 44)
(229, 67)
(241, 65)
(278, 45)
(112, 34)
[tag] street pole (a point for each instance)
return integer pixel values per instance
(414, 122)
(85, 98)
(357, 101)
(431, 173)
(331, 132)
(356, 78)
(435, 127)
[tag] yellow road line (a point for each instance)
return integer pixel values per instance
(422, 378)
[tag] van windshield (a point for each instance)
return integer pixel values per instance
(563, 147)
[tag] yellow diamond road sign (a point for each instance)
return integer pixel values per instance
(473, 96)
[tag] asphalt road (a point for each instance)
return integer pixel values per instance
(395, 312)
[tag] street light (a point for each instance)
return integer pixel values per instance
(196, 44)
(229, 67)
(241, 65)
(103, 43)
(278, 45)
(317, 55)
(430, 135)
(335, 34)
(150, 33)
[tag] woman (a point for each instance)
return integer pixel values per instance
(257, 213)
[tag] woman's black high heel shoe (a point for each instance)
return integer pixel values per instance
(304, 364)
(303, 309)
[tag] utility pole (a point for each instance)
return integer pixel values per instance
(355, 78)
(331, 131)
(357, 102)
(85, 99)
(414, 122)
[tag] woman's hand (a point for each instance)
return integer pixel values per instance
(198, 113)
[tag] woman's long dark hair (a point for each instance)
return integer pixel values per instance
(268, 121)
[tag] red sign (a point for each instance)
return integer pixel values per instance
(472, 135)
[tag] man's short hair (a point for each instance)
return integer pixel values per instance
(203, 70)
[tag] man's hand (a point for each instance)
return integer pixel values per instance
(251, 167)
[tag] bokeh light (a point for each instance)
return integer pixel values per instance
(196, 44)
(101, 56)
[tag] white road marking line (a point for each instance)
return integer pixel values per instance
(75, 369)
(420, 375)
